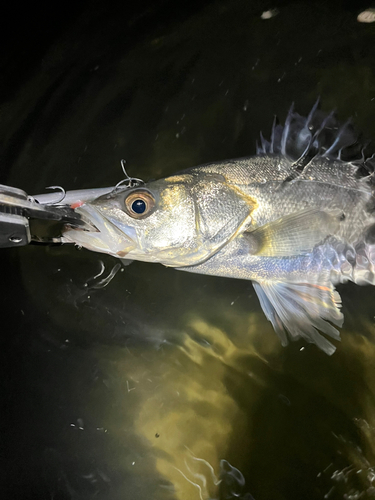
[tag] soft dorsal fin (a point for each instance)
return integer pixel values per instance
(294, 234)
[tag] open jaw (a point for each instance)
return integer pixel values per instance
(106, 239)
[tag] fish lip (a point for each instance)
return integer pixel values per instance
(98, 233)
(83, 224)
(96, 219)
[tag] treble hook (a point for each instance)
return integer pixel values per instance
(128, 182)
(63, 194)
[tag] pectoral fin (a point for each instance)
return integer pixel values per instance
(301, 309)
(293, 234)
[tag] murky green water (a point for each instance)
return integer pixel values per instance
(166, 385)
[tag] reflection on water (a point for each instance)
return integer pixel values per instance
(184, 412)
(161, 384)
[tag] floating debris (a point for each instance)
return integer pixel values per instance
(267, 14)
(367, 16)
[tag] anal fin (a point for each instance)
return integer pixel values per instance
(301, 309)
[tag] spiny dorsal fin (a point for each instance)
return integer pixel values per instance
(319, 134)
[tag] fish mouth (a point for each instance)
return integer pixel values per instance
(98, 234)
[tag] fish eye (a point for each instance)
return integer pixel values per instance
(139, 204)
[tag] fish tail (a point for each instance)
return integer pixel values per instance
(364, 269)
(358, 262)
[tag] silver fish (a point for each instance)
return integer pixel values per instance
(296, 219)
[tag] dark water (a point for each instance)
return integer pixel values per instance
(166, 385)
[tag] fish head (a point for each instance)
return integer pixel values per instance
(177, 221)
